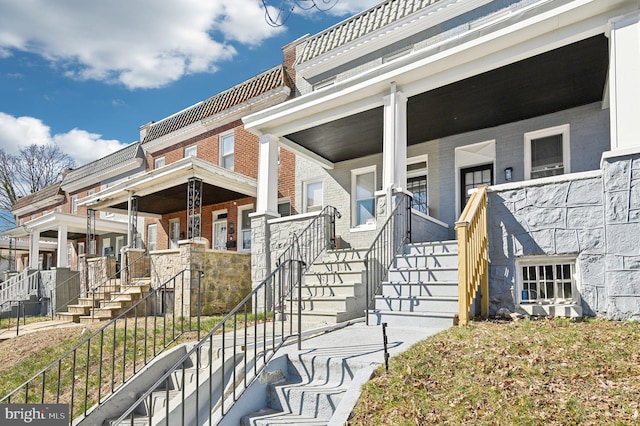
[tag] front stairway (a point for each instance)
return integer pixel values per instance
(421, 289)
(333, 289)
(109, 302)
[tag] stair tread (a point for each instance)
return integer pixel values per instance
(413, 313)
(283, 418)
(448, 298)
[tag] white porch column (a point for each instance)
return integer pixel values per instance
(267, 199)
(63, 249)
(624, 81)
(34, 249)
(394, 163)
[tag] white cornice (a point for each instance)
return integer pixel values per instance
(73, 223)
(39, 205)
(99, 177)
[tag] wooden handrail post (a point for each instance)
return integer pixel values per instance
(463, 274)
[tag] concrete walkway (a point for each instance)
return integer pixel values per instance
(9, 333)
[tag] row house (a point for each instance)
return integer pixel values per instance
(533, 101)
(189, 185)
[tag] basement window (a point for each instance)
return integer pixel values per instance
(547, 281)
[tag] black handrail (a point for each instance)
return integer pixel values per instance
(392, 236)
(106, 351)
(240, 345)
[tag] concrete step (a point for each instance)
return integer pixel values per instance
(337, 266)
(68, 316)
(315, 399)
(423, 275)
(412, 319)
(435, 247)
(89, 319)
(442, 260)
(270, 417)
(415, 289)
(344, 277)
(79, 309)
(90, 301)
(335, 303)
(325, 317)
(327, 290)
(417, 304)
(113, 304)
(342, 255)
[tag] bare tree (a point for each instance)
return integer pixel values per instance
(33, 168)
(278, 14)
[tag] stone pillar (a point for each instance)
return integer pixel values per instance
(34, 248)
(186, 290)
(63, 249)
(261, 262)
(394, 163)
(624, 84)
(267, 199)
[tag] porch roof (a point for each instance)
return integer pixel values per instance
(76, 225)
(164, 190)
(538, 61)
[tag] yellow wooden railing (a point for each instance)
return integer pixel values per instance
(473, 255)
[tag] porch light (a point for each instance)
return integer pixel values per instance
(508, 174)
(232, 229)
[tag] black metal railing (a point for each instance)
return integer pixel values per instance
(94, 368)
(395, 232)
(208, 379)
(316, 237)
(19, 306)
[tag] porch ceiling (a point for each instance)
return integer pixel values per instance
(563, 78)
(174, 199)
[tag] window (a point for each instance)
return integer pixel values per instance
(191, 151)
(160, 162)
(473, 177)
(312, 196)
(74, 204)
(152, 237)
(417, 183)
(284, 207)
(546, 152)
(219, 241)
(546, 281)
(363, 187)
(227, 143)
(245, 226)
(174, 233)
(80, 248)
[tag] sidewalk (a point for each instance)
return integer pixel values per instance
(10, 333)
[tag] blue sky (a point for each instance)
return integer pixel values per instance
(86, 74)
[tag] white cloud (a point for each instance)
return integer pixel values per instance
(140, 44)
(82, 146)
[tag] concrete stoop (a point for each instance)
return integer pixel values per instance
(304, 390)
(333, 289)
(421, 288)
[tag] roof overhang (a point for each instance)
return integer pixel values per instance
(164, 190)
(49, 224)
(442, 81)
(116, 170)
(39, 205)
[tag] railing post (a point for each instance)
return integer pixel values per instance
(463, 274)
(484, 283)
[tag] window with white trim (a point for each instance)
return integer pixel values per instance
(546, 152)
(547, 281)
(152, 237)
(174, 233)
(363, 202)
(74, 204)
(284, 207)
(417, 183)
(227, 149)
(312, 196)
(244, 222)
(159, 162)
(191, 151)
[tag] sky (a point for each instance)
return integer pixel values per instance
(86, 74)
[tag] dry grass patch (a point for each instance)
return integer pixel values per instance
(553, 372)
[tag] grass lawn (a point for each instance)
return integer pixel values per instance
(528, 372)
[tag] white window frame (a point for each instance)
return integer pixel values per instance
(152, 245)
(546, 261)
(222, 154)
(315, 207)
(160, 162)
(241, 229)
(191, 151)
(173, 244)
(371, 223)
(563, 130)
(74, 204)
(419, 173)
(216, 220)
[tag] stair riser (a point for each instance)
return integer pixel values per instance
(428, 261)
(408, 320)
(416, 305)
(81, 310)
(333, 278)
(309, 317)
(305, 401)
(337, 267)
(423, 276)
(451, 247)
(342, 255)
(419, 290)
(333, 290)
(333, 305)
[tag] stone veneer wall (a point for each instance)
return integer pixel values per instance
(622, 223)
(552, 219)
(226, 278)
(593, 216)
